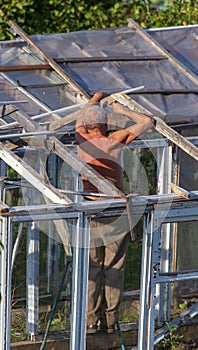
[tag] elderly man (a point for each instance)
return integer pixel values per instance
(109, 236)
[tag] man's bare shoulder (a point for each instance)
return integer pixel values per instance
(119, 135)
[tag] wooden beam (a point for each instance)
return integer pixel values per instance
(103, 185)
(5, 110)
(47, 66)
(22, 120)
(179, 191)
(31, 97)
(49, 60)
(54, 145)
(166, 91)
(57, 124)
(5, 102)
(176, 138)
(73, 116)
(109, 58)
(132, 24)
(3, 207)
(160, 125)
(24, 67)
(182, 192)
(28, 173)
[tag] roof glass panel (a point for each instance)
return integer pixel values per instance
(181, 42)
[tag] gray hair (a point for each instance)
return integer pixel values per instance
(94, 117)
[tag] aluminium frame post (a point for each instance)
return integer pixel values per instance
(176, 181)
(53, 163)
(6, 282)
(6, 238)
(80, 283)
(49, 256)
(145, 280)
(151, 251)
(32, 281)
(164, 176)
(153, 300)
(51, 166)
(164, 169)
(32, 258)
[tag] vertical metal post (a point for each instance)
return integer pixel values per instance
(155, 269)
(164, 169)
(6, 237)
(49, 256)
(3, 168)
(175, 180)
(145, 280)
(16, 243)
(52, 168)
(151, 249)
(32, 197)
(5, 282)
(164, 175)
(79, 284)
(32, 281)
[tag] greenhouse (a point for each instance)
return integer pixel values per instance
(45, 80)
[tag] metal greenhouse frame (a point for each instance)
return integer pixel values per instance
(160, 212)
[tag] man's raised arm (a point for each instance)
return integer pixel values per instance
(142, 123)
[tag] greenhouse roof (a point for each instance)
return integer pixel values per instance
(43, 73)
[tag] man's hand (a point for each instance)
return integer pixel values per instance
(97, 97)
(118, 107)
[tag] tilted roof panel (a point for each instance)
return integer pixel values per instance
(181, 42)
(109, 60)
(93, 43)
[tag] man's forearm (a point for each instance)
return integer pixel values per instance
(135, 116)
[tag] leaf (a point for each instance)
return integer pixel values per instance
(182, 306)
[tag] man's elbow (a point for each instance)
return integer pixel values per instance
(149, 122)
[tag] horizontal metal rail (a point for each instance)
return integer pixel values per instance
(169, 208)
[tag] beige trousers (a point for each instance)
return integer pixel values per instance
(106, 279)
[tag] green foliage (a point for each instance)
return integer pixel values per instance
(55, 16)
(133, 260)
(17, 10)
(182, 306)
(175, 13)
(133, 266)
(129, 315)
(148, 160)
(13, 196)
(172, 341)
(1, 246)
(12, 174)
(59, 321)
(18, 326)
